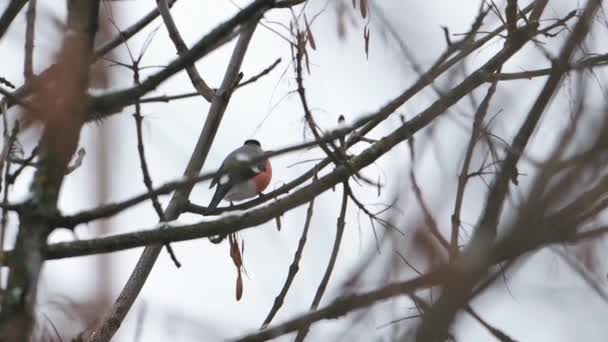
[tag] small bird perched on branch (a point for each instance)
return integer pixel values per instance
(241, 181)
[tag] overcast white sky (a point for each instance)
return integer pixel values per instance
(197, 301)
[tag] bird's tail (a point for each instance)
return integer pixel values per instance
(220, 192)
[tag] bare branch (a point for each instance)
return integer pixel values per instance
(478, 120)
(28, 68)
(343, 305)
(144, 165)
(9, 15)
(293, 269)
(126, 34)
(199, 84)
(330, 265)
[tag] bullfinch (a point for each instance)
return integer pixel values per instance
(241, 181)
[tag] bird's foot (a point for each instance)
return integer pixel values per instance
(217, 239)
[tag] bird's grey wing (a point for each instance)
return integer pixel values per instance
(216, 179)
(237, 171)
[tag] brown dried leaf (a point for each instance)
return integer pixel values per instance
(293, 53)
(235, 253)
(311, 39)
(341, 120)
(278, 220)
(366, 38)
(306, 60)
(239, 286)
(341, 27)
(77, 162)
(363, 8)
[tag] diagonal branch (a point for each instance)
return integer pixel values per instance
(252, 79)
(9, 15)
(28, 68)
(330, 265)
(478, 120)
(343, 305)
(293, 269)
(144, 165)
(126, 34)
(197, 81)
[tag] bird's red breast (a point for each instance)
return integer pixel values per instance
(262, 179)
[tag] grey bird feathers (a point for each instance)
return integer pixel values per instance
(237, 184)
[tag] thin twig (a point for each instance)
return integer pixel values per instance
(478, 120)
(585, 63)
(197, 81)
(499, 334)
(129, 32)
(428, 217)
(168, 98)
(303, 331)
(293, 268)
(144, 165)
(345, 304)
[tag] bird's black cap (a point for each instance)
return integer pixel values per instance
(252, 142)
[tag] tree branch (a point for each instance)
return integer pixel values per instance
(126, 34)
(478, 120)
(28, 68)
(9, 15)
(197, 81)
(293, 269)
(330, 265)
